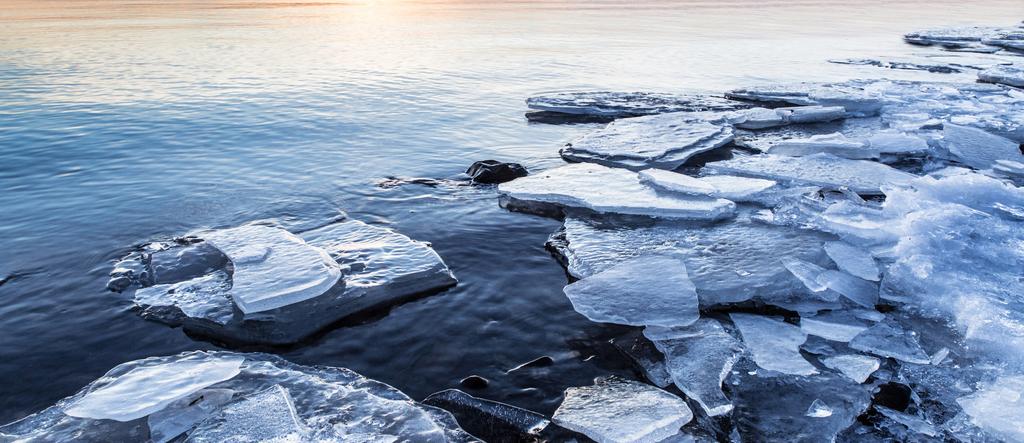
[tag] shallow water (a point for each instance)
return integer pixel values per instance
(123, 122)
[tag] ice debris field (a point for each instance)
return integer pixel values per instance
(847, 269)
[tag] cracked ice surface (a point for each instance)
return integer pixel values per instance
(269, 397)
(727, 262)
(630, 293)
(774, 344)
(698, 358)
(627, 104)
(606, 190)
(618, 410)
(273, 267)
(1007, 75)
(663, 141)
(861, 176)
(724, 186)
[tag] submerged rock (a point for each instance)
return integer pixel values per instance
(648, 290)
(491, 421)
(382, 267)
(248, 397)
(659, 141)
(627, 104)
(493, 171)
(607, 191)
(617, 410)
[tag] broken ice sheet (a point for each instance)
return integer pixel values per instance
(852, 259)
(145, 390)
(998, 407)
(775, 345)
(723, 186)
(858, 290)
(805, 271)
(616, 410)
(203, 297)
(861, 176)
(855, 367)
(268, 415)
(727, 262)
(699, 357)
(663, 141)
(836, 144)
(838, 326)
(182, 414)
(649, 290)
(606, 190)
(888, 339)
(978, 148)
(272, 267)
(628, 104)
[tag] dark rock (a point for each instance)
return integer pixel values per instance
(474, 382)
(489, 420)
(493, 171)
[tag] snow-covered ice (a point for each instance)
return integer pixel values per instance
(775, 344)
(627, 104)
(698, 358)
(861, 176)
(619, 411)
(663, 141)
(998, 408)
(273, 267)
(267, 397)
(648, 290)
(606, 190)
(857, 367)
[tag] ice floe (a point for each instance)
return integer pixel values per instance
(739, 189)
(775, 344)
(630, 293)
(605, 190)
(236, 397)
(841, 326)
(861, 176)
(856, 367)
(616, 410)
(627, 104)
(888, 339)
(381, 267)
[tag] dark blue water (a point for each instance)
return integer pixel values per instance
(123, 122)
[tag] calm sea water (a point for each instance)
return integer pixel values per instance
(126, 121)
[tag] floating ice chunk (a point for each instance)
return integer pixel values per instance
(618, 410)
(676, 182)
(627, 104)
(855, 261)
(951, 37)
(912, 64)
(335, 404)
(487, 419)
(887, 339)
(648, 290)
(759, 118)
(978, 148)
(268, 415)
(897, 143)
(818, 409)
(998, 408)
(273, 268)
(774, 344)
(861, 176)
(858, 290)
(805, 271)
(606, 190)
(738, 188)
(184, 413)
(835, 325)
(727, 262)
(1007, 75)
(774, 409)
(856, 367)
(812, 114)
(203, 297)
(1011, 38)
(699, 357)
(145, 390)
(659, 141)
(836, 144)
(1009, 168)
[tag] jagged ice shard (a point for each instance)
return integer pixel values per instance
(649, 290)
(698, 358)
(605, 190)
(774, 344)
(619, 411)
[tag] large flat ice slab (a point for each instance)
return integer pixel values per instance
(722, 186)
(699, 357)
(977, 148)
(617, 410)
(774, 344)
(627, 104)
(663, 141)
(246, 397)
(727, 262)
(606, 190)
(273, 267)
(861, 176)
(382, 267)
(648, 290)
